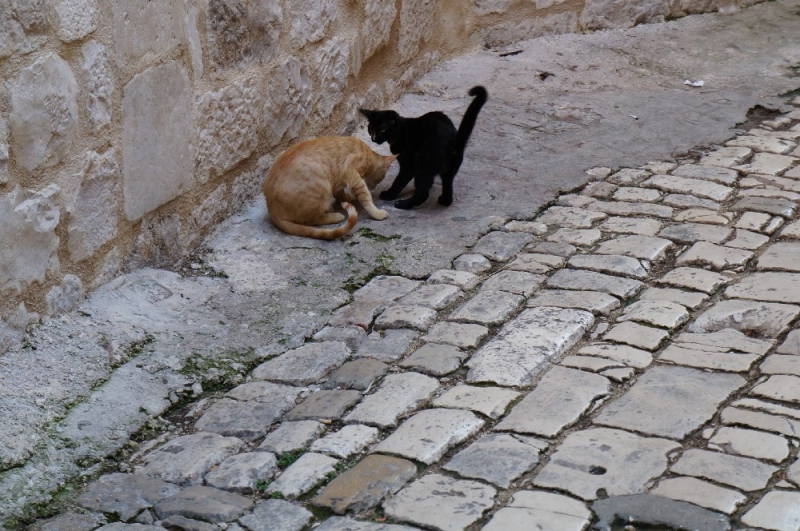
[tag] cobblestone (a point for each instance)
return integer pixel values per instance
(489, 401)
(398, 395)
(496, 458)
(614, 264)
(429, 434)
(488, 307)
(578, 279)
(292, 436)
(463, 335)
(643, 247)
(307, 472)
(739, 472)
(592, 301)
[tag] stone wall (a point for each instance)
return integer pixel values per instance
(129, 127)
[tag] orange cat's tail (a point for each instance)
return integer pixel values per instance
(296, 229)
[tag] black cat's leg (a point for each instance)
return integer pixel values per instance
(448, 177)
(422, 187)
(403, 178)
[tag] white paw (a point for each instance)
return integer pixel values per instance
(380, 214)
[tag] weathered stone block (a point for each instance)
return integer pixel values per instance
(610, 14)
(379, 16)
(311, 20)
(288, 100)
(227, 126)
(242, 31)
(156, 138)
(74, 19)
(99, 83)
(3, 151)
(211, 210)
(332, 65)
(93, 211)
(28, 241)
(65, 297)
(44, 112)
(142, 27)
(416, 26)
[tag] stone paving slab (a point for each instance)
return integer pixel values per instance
(778, 511)
(582, 280)
(365, 485)
(637, 335)
(399, 316)
(739, 472)
(185, 460)
(762, 319)
(442, 503)
(292, 436)
(690, 201)
(245, 420)
(692, 278)
(575, 218)
(488, 307)
(638, 226)
(689, 299)
(515, 356)
(616, 461)
(435, 359)
(348, 524)
(559, 399)
(387, 346)
(642, 247)
(204, 503)
(760, 420)
(777, 206)
(669, 401)
(593, 301)
(304, 365)
(779, 364)
(518, 282)
(630, 356)
(125, 495)
(750, 443)
(716, 256)
(436, 296)
(744, 239)
(496, 458)
(325, 405)
(770, 287)
(656, 511)
(501, 246)
(540, 510)
(614, 264)
(463, 279)
(276, 515)
(385, 289)
(349, 440)
(472, 263)
(782, 387)
(700, 493)
(462, 335)
(307, 472)
(489, 401)
(693, 232)
(629, 193)
(665, 314)
(621, 208)
(726, 156)
(563, 250)
(709, 172)
(429, 434)
(242, 472)
(357, 374)
(535, 263)
(781, 256)
(398, 395)
(683, 185)
(577, 237)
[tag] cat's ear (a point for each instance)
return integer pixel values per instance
(388, 159)
(366, 112)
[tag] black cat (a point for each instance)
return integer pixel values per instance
(426, 146)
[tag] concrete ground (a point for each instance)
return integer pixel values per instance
(79, 398)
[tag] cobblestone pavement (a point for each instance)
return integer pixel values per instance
(627, 355)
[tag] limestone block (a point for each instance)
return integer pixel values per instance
(209, 211)
(158, 243)
(3, 151)
(142, 27)
(242, 31)
(379, 16)
(74, 19)
(288, 100)
(99, 84)
(311, 20)
(44, 112)
(193, 38)
(156, 137)
(609, 14)
(529, 28)
(416, 26)
(28, 240)
(93, 212)
(21, 21)
(227, 124)
(484, 7)
(332, 65)
(11, 331)
(66, 297)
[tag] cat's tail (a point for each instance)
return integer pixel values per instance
(296, 229)
(470, 117)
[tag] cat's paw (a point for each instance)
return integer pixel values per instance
(445, 201)
(387, 195)
(379, 214)
(404, 204)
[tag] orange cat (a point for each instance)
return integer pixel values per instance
(307, 179)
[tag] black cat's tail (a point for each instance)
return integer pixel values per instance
(470, 117)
